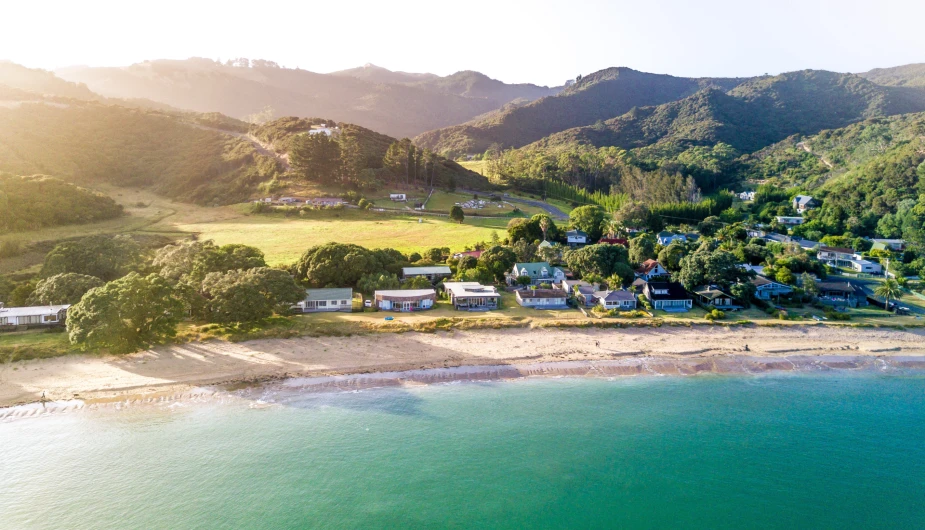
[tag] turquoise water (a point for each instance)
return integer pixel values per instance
(827, 451)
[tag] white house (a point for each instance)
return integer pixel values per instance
(319, 300)
(405, 300)
(398, 197)
(747, 195)
(49, 315)
(619, 300)
(539, 272)
(789, 221)
(576, 237)
(472, 296)
(651, 268)
(542, 298)
(838, 257)
(863, 265)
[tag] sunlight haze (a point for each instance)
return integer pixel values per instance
(516, 41)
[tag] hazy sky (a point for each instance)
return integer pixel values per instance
(539, 41)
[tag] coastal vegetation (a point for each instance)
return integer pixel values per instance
(30, 203)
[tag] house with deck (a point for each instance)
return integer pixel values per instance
(767, 289)
(836, 256)
(32, 317)
(472, 296)
(712, 297)
(538, 272)
(542, 298)
(575, 238)
(434, 274)
(650, 269)
(619, 300)
(787, 220)
(405, 300)
(321, 300)
(668, 296)
(841, 294)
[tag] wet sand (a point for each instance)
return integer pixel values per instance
(422, 358)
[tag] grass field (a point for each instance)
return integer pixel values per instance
(475, 165)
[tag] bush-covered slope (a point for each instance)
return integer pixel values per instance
(912, 75)
(751, 116)
(88, 142)
(28, 203)
(599, 96)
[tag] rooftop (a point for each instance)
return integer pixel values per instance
(463, 289)
(615, 296)
(329, 294)
(647, 266)
(437, 269)
(32, 310)
(675, 290)
(406, 293)
(541, 293)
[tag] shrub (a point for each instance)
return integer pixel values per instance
(715, 314)
(633, 314)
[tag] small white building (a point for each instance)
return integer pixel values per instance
(542, 298)
(405, 300)
(747, 195)
(398, 197)
(650, 269)
(320, 300)
(789, 221)
(620, 300)
(576, 237)
(865, 266)
(47, 316)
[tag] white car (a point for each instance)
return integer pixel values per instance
(368, 303)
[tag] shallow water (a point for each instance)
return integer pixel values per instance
(774, 451)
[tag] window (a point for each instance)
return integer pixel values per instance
(31, 319)
(4, 321)
(50, 318)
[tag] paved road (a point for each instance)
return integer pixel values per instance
(548, 208)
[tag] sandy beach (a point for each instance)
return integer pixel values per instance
(500, 353)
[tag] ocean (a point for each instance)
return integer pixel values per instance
(835, 450)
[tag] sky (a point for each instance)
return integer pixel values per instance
(538, 41)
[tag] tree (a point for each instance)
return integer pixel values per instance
(456, 213)
(743, 292)
(416, 282)
(709, 267)
(316, 157)
(477, 274)
(342, 265)
(544, 223)
(531, 229)
(588, 219)
(670, 256)
(106, 257)
(123, 315)
(889, 289)
(632, 215)
(498, 260)
(525, 250)
(524, 280)
(710, 226)
(602, 260)
(191, 261)
(249, 295)
(371, 283)
(66, 288)
(784, 275)
(809, 284)
(549, 253)
(642, 247)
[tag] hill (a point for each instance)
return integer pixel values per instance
(372, 149)
(29, 203)
(42, 82)
(752, 115)
(599, 96)
(263, 90)
(178, 155)
(378, 74)
(912, 75)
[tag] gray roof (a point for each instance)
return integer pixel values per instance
(541, 293)
(329, 294)
(614, 296)
(576, 233)
(438, 269)
(32, 310)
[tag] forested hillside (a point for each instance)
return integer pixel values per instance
(912, 75)
(88, 142)
(262, 90)
(29, 203)
(599, 96)
(42, 82)
(359, 157)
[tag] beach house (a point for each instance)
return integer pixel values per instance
(712, 297)
(617, 299)
(34, 316)
(405, 300)
(472, 296)
(766, 289)
(319, 300)
(538, 272)
(668, 296)
(542, 298)
(434, 274)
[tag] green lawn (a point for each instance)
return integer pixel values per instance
(283, 239)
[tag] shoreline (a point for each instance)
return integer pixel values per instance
(423, 358)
